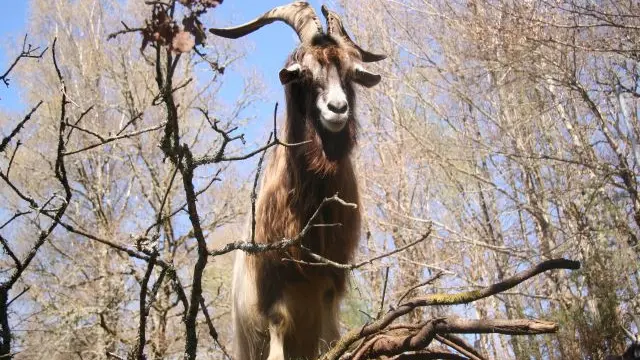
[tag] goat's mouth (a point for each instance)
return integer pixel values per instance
(332, 121)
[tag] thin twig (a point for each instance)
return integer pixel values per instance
(212, 329)
(15, 216)
(15, 189)
(181, 208)
(159, 98)
(164, 198)
(18, 127)
(82, 115)
(126, 30)
(248, 247)
(133, 119)
(254, 195)
(27, 288)
(12, 255)
(155, 289)
(213, 64)
(322, 261)
(219, 156)
(13, 155)
(114, 138)
(28, 51)
(384, 292)
(426, 282)
(112, 355)
(72, 126)
(128, 251)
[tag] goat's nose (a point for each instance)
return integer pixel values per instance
(338, 107)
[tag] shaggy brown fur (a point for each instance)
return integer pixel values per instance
(284, 304)
(296, 182)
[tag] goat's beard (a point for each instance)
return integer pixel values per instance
(327, 150)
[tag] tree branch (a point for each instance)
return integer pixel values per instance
(142, 316)
(459, 345)
(322, 261)
(254, 248)
(219, 156)
(16, 130)
(28, 51)
(392, 345)
(114, 138)
(445, 299)
(61, 176)
(212, 329)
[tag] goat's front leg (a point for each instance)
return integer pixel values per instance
(276, 337)
(330, 325)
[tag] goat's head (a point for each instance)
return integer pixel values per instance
(325, 64)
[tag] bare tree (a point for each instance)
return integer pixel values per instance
(18, 260)
(516, 123)
(125, 249)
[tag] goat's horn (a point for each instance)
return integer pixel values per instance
(335, 28)
(299, 15)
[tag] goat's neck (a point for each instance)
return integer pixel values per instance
(309, 188)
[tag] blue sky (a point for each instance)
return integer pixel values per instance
(12, 26)
(271, 45)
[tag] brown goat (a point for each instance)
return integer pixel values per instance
(285, 309)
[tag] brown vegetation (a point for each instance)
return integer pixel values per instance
(502, 138)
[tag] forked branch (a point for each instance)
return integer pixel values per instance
(254, 248)
(449, 299)
(394, 343)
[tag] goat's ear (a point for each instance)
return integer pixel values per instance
(291, 73)
(364, 77)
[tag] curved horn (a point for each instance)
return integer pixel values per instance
(299, 15)
(335, 28)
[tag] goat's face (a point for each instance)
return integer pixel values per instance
(328, 73)
(326, 62)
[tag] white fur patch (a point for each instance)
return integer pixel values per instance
(332, 101)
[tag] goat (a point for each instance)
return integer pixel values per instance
(286, 309)
(633, 351)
